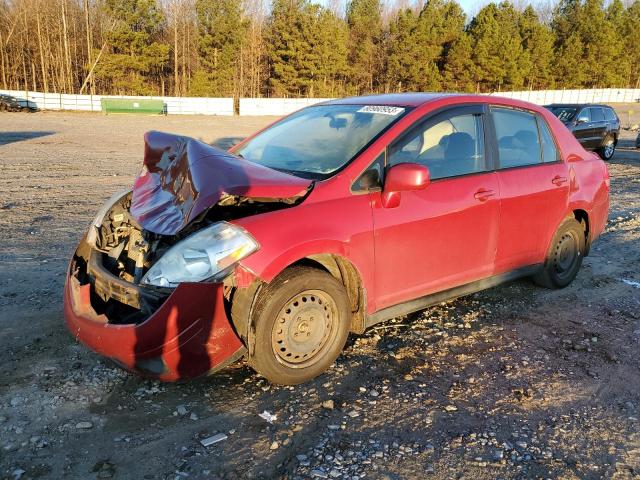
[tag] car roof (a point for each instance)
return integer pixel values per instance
(419, 99)
(392, 99)
(577, 105)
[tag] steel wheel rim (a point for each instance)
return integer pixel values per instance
(566, 254)
(304, 328)
(609, 149)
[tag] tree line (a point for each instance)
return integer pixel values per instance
(253, 48)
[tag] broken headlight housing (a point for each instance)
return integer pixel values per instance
(207, 254)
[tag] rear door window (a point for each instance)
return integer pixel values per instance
(517, 137)
(597, 115)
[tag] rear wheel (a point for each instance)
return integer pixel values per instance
(564, 257)
(608, 148)
(301, 325)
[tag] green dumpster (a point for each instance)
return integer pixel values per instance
(132, 105)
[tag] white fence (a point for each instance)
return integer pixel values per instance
(596, 95)
(91, 103)
(275, 106)
(285, 106)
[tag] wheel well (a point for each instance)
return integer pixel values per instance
(583, 217)
(344, 271)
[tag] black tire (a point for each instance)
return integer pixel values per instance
(312, 309)
(608, 148)
(564, 257)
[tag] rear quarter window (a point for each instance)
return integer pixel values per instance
(550, 151)
(610, 115)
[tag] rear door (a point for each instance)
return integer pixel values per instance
(534, 187)
(598, 126)
(582, 130)
(445, 235)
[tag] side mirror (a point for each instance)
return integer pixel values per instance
(582, 120)
(403, 177)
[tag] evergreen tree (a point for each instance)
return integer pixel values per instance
(590, 44)
(134, 56)
(307, 49)
(403, 70)
(602, 46)
(418, 45)
(365, 44)
(443, 22)
(459, 69)
(631, 34)
(537, 41)
(622, 59)
(221, 32)
(500, 59)
(288, 48)
(567, 66)
(329, 41)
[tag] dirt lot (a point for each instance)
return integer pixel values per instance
(514, 382)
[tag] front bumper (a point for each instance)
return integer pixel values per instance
(187, 336)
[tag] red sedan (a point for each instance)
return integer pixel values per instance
(333, 219)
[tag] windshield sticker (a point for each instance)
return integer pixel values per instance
(382, 109)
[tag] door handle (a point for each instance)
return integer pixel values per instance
(483, 194)
(558, 180)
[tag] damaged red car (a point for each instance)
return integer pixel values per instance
(335, 218)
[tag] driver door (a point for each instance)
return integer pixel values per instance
(445, 235)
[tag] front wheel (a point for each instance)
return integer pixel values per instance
(564, 257)
(608, 148)
(301, 323)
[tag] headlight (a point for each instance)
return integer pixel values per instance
(94, 227)
(208, 253)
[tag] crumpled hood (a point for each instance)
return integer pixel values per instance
(183, 177)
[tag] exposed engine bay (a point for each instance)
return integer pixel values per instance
(128, 249)
(184, 187)
(122, 252)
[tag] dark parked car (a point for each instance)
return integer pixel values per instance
(638, 141)
(11, 104)
(597, 127)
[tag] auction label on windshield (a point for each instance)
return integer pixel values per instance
(382, 109)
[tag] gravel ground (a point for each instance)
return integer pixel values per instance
(513, 382)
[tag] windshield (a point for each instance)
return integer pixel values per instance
(563, 113)
(317, 141)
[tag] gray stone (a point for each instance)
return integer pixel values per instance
(182, 410)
